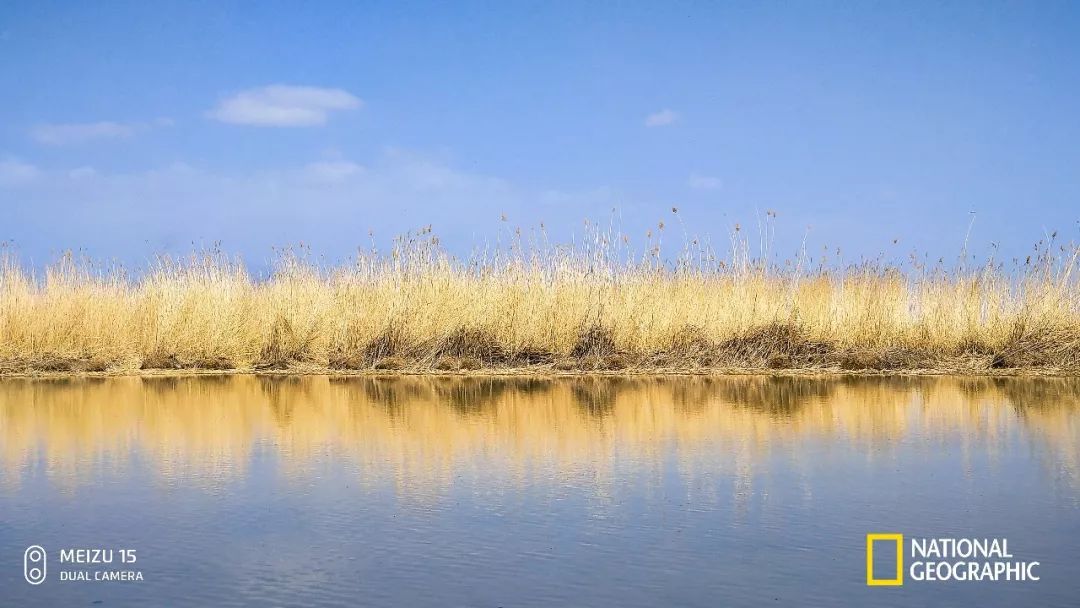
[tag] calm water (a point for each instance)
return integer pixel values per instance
(594, 492)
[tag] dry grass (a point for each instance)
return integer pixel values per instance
(540, 307)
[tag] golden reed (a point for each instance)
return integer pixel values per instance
(543, 309)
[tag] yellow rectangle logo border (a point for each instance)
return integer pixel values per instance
(885, 582)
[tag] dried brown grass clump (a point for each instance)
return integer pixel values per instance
(774, 345)
(1037, 346)
(68, 364)
(473, 345)
(285, 345)
(692, 345)
(594, 342)
(887, 358)
(390, 363)
(591, 308)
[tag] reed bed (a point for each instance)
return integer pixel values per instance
(538, 307)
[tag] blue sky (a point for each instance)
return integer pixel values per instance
(128, 129)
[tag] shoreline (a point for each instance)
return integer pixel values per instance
(548, 373)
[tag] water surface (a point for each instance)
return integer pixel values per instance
(482, 492)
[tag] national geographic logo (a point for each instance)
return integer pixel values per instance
(898, 541)
(945, 559)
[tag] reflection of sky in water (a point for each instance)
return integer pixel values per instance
(614, 491)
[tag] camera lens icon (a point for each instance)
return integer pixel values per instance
(34, 564)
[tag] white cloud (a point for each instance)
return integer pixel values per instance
(82, 173)
(330, 171)
(419, 173)
(283, 106)
(77, 133)
(14, 172)
(425, 176)
(601, 197)
(64, 134)
(662, 118)
(333, 202)
(704, 182)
